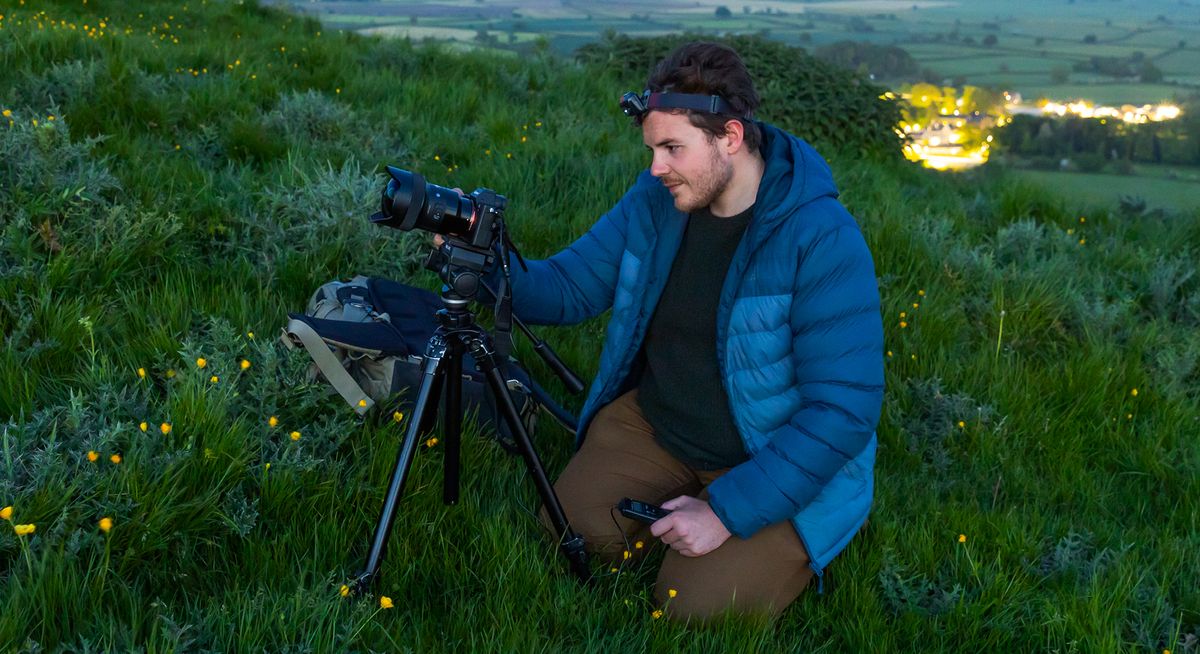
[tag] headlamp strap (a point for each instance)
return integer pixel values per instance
(713, 104)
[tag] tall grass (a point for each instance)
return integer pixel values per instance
(187, 195)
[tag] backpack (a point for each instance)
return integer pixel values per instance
(367, 339)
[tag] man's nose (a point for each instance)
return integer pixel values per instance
(658, 167)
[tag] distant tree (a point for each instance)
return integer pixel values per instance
(989, 40)
(412, 20)
(1060, 74)
(1149, 73)
(1089, 38)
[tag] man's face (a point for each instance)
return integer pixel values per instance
(695, 170)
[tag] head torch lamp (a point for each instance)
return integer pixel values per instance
(637, 106)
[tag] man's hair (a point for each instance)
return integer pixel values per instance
(710, 69)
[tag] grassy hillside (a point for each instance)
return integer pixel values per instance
(175, 177)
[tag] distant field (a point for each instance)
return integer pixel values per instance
(1102, 190)
(1033, 37)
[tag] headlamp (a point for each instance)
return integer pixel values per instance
(636, 106)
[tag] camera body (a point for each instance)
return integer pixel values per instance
(409, 202)
(471, 224)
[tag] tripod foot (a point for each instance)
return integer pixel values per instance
(362, 583)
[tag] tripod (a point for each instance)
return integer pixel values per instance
(456, 334)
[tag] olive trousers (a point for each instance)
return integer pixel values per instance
(620, 458)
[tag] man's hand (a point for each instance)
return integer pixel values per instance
(692, 529)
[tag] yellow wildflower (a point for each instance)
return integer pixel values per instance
(385, 602)
(903, 324)
(626, 554)
(431, 442)
(245, 364)
(962, 538)
(272, 421)
(105, 524)
(165, 428)
(638, 545)
(24, 530)
(92, 455)
(6, 513)
(921, 292)
(295, 435)
(916, 305)
(612, 569)
(201, 362)
(214, 379)
(344, 590)
(142, 373)
(538, 124)
(143, 426)
(961, 424)
(116, 458)
(889, 353)
(657, 614)
(250, 335)
(397, 416)
(1133, 392)
(903, 314)
(671, 592)
(362, 403)
(170, 373)
(8, 113)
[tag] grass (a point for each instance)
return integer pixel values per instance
(187, 195)
(1097, 190)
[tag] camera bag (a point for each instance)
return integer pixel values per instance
(367, 337)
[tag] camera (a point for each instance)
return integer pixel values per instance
(409, 202)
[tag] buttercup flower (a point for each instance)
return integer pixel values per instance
(6, 513)
(201, 362)
(1133, 392)
(657, 614)
(170, 373)
(24, 530)
(295, 435)
(625, 554)
(143, 426)
(105, 524)
(272, 421)
(961, 424)
(397, 416)
(671, 592)
(362, 403)
(142, 373)
(344, 591)
(116, 458)
(385, 602)
(431, 442)
(962, 538)
(93, 455)
(245, 364)
(165, 428)
(214, 379)
(638, 545)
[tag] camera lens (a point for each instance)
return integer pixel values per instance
(409, 202)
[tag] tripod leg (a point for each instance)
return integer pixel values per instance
(452, 420)
(426, 402)
(570, 542)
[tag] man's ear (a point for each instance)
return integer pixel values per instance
(735, 131)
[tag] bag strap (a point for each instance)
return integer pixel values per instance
(342, 382)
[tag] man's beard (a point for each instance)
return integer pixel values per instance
(707, 188)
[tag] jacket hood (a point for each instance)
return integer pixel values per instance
(794, 175)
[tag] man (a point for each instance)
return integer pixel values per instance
(741, 378)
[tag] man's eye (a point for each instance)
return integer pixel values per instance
(672, 148)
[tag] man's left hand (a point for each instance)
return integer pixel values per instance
(692, 529)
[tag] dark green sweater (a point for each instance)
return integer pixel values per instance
(681, 392)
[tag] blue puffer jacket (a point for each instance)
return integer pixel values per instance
(799, 339)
